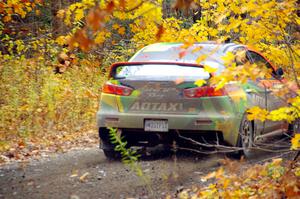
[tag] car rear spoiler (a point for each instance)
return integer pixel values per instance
(113, 67)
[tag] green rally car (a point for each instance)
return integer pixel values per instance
(153, 99)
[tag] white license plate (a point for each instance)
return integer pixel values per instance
(156, 125)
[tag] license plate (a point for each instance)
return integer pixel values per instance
(156, 125)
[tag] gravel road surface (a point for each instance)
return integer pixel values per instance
(86, 173)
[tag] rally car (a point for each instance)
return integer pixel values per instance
(153, 99)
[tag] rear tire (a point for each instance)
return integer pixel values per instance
(111, 154)
(245, 139)
(106, 145)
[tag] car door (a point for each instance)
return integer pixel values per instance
(273, 101)
(256, 93)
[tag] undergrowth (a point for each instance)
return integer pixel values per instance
(275, 179)
(38, 102)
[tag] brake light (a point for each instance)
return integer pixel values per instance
(204, 91)
(116, 89)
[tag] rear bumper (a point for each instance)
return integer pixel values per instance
(184, 122)
(227, 124)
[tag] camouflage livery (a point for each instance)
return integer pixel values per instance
(163, 100)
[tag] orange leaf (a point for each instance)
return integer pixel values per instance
(182, 54)
(209, 176)
(122, 4)
(184, 4)
(2, 6)
(63, 56)
(110, 7)
(81, 38)
(95, 19)
(160, 31)
(122, 31)
(83, 177)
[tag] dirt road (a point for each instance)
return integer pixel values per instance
(85, 173)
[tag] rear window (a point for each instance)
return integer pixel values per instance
(161, 72)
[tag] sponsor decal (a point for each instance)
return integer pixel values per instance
(156, 106)
(258, 100)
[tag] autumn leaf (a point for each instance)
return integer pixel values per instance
(81, 38)
(110, 7)
(7, 18)
(210, 69)
(90, 94)
(209, 176)
(159, 32)
(184, 5)
(257, 113)
(200, 82)
(83, 177)
(61, 40)
(79, 14)
(95, 19)
(63, 56)
(115, 26)
(2, 7)
(74, 174)
(277, 161)
(220, 173)
(295, 142)
(38, 12)
(220, 18)
(196, 49)
(121, 30)
(60, 14)
(228, 58)
(182, 54)
(122, 4)
(201, 58)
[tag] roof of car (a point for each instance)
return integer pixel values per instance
(176, 52)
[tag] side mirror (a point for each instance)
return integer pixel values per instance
(279, 72)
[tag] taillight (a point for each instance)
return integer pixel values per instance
(116, 89)
(204, 91)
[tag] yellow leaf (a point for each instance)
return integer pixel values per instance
(257, 113)
(74, 174)
(220, 18)
(201, 58)
(226, 183)
(295, 142)
(228, 58)
(116, 26)
(220, 172)
(61, 40)
(7, 18)
(208, 176)
(60, 14)
(78, 14)
(83, 177)
(297, 171)
(121, 31)
(100, 38)
(38, 12)
(197, 49)
(200, 82)
(277, 161)
(209, 69)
